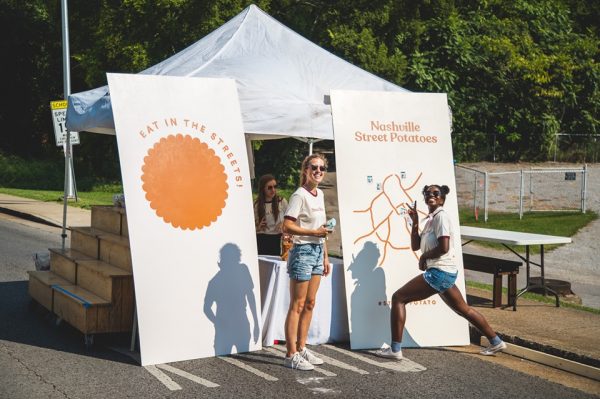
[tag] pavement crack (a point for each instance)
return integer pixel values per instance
(32, 370)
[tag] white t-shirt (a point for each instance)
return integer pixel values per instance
(273, 226)
(308, 211)
(438, 225)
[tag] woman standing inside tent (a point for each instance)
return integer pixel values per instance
(438, 260)
(269, 209)
(307, 262)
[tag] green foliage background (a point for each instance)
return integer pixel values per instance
(516, 72)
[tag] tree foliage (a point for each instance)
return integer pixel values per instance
(516, 72)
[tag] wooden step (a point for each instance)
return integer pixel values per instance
(111, 283)
(102, 278)
(85, 311)
(107, 218)
(40, 286)
(85, 240)
(64, 263)
(115, 250)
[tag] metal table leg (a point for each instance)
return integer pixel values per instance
(542, 284)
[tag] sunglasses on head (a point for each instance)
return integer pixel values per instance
(320, 167)
(432, 193)
(272, 187)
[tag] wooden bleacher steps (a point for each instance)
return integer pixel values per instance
(90, 285)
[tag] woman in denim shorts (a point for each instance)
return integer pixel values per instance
(307, 260)
(436, 243)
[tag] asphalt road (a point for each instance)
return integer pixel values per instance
(39, 359)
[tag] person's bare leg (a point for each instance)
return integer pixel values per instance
(307, 311)
(298, 290)
(455, 301)
(415, 290)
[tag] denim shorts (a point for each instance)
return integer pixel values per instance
(304, 261)
(439, 280)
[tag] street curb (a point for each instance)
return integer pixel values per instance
(546, 359)
(554, 361)
(536, 346)
(544, 354)
(550, 350)
(28, 216)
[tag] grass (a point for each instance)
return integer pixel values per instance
(564, 224)
(101, 195)
(536, 297)
(86, 199)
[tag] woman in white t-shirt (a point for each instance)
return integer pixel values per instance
(438, 260)
(307, 261)
(269, 209)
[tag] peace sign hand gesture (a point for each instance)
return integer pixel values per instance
(414, 215)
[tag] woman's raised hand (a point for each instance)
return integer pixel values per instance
(414, 215)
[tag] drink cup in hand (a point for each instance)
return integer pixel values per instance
(330, 225)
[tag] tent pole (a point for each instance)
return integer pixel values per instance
(310, 146)
(67, 91)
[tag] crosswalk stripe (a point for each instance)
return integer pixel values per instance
(333, 362)
(162, 377)
(405, 365)
(187, 375)
(250, 369)
(326, 373)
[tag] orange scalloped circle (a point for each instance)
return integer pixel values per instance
(185, 182)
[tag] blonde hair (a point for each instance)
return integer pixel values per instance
(306, 163)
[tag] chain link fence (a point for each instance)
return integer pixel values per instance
(519, 191)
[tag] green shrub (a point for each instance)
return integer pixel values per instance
(38, 174)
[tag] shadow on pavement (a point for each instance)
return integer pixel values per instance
(25, 321)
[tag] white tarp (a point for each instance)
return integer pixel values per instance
(282, 79)
(189, 209)
(387, 147)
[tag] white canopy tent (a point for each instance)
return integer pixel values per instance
(283, 79)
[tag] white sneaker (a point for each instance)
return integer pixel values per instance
(297, 362)
(310, 357)
(492, 349)
(386, 351)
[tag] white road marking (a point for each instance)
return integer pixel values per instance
(162, 377)
(250, 369)
(405, 365)
(327, 373)
(324, 390)
(334, 362)
(187, 375)
(311, 380)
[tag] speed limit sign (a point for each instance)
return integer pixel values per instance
(59, 117)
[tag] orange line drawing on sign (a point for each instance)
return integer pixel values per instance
(185, 182)
(383, 208)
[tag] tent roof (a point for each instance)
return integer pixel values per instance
(282, 78)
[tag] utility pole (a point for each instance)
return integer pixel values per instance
(69, 189)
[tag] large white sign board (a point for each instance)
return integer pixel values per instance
(189, 212)
(388, 146)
